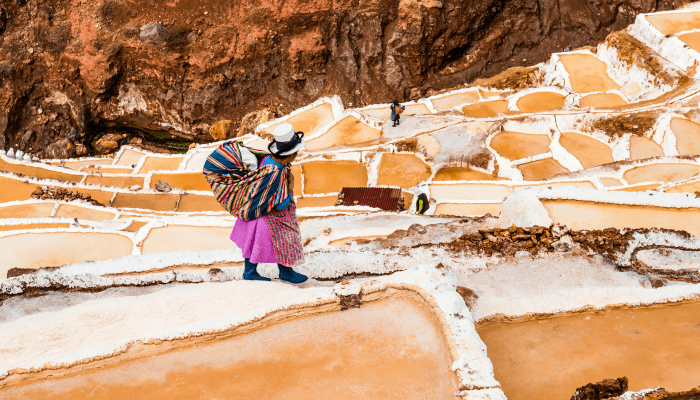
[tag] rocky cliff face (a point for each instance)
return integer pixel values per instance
(68, 68)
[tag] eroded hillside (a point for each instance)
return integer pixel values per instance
(71, 68)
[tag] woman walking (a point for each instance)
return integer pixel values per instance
(261, 197)
(396, 111)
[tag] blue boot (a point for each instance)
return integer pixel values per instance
(288, 275)
(251, 273)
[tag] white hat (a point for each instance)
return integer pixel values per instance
(284, 134)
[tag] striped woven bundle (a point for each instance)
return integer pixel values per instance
(245, 193)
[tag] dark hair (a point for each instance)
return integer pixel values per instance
(396, 102)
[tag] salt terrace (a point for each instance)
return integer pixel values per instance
(561, 247)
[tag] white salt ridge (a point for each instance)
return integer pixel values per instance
(556, 283)
(522, 208)
(670, 259)
(658, 199)
(625, 74)
(341, 227)
(637, 395)
(658, 239)
(671, 48)
(147, 262)
(664, 135)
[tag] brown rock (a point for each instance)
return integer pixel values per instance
(108, 143)
(221, 130)
(60, 150)
(163, 186)
(80, 150)
(252, 120)
(657, 282)
(602, 390)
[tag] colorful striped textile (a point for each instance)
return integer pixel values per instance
(245, 193)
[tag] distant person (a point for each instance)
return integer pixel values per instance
(422, 204)
(262, 198)
(396, 111)
(422, 201)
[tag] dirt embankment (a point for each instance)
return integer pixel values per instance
(68, 67)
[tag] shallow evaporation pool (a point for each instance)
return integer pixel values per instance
(15, 189)
(590, 215)
(404, 170)
(550, 358)
(105, 170)
(56, 249)
(153, 163)
(39, 172)
(332, 176)
(541, 101)
(463, 174)
(322, 201)
(349, 131)
(541, 169)
(661, 173)
(486, 109)
(602, 100)
(122, 181)
(468, 191)
(610, 182)
(80, 212)
(687, 136)
(451, 101)
(674, 22)
(182, 180)
(298, 179)
(22, 227)
(129, 157)
(155, 202)
(175, 238)
(643, 147)
(690, 187)
(587, 73)
(387, 349)
(309, 121)
(31, 210)
(76, 165)
(590, 152)
(691, 39)
(515, 145)
(198, 203)
(637, 188)
(468, 210)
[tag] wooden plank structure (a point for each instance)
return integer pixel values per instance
(389, 199)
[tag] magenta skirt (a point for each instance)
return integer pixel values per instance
(256, 240)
